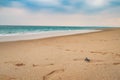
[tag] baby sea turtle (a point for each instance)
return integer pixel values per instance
(87, 60)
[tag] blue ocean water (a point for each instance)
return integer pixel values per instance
(6, 29)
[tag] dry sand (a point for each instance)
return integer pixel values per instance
(62, 58)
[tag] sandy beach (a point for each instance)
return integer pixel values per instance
(63, 58)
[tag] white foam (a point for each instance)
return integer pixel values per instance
(40, 35)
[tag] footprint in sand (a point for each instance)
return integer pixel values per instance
(54, 75)
(77, 59)
(20, 64)
(36, 65)
(103, 53)
(51, 64)
(16, 63)
(118, 55)
(67, 50)
(116, 63)
(5, 77)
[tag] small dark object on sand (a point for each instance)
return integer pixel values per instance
(87, 60)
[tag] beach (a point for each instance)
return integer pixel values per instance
(63, 58)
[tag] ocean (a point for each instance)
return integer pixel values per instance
(15, 33)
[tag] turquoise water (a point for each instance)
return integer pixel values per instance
(17, 33)
(32, 29)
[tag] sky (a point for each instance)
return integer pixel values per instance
(60, 12)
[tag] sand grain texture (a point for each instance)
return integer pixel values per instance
(63, 58)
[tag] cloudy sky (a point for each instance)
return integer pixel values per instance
(60, 12)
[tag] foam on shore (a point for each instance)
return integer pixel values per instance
(41, 35)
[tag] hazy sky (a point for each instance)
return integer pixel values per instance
(60, 12)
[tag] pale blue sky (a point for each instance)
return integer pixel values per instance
(60, 12)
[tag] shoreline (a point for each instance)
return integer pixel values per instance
(43, 35)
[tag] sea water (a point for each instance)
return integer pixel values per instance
(14, 33)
